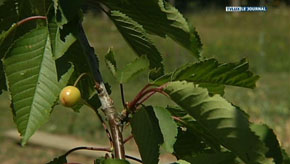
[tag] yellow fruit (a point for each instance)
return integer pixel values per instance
(69, 96)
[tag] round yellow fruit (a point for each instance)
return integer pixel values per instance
(69, 96)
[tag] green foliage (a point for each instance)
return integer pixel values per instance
(58, 160)
(270, 140)
(111, 62)
(129, 71)
(219, 119)
(137, 38)
(147, 135)
(212, 158)
(159, 18)
(167, 126)
(32, 79)
(213, 75)
(41, 57)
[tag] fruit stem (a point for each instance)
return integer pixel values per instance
(78, 79)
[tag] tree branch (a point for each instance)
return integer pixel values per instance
(107, 103)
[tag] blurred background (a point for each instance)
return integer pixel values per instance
(263, 38)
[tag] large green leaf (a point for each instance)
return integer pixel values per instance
(147, 135)
(218, 118)
(213, 75)
(168, 127)
(132, 69)
(188, 144)
(269, 138)
(160, 18)
(137, 38)
(212, 158)
(32, 81)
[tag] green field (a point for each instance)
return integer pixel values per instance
(262, 38)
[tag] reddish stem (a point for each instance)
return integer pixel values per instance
(151, 92)
(128, 139)
(29, 19)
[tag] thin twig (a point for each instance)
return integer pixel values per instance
(128, 139)
(123, 96)
(103, 123)
(87, 148)
(78, 79)
(98, 149)
(134, 158)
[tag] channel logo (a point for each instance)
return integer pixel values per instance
(246, 9)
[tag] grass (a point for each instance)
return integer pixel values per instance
(262, 38)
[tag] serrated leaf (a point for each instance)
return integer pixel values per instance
(167, 126)
(32, 80)
(219, 119)
(212, 158)
(147, 134)
(137, 38)
(160, 18)
(132, 69)
(59, 160)
(269, 138)
(61, 37)
(188, 144)
(213, 75)
(111, 62)
(66, 11)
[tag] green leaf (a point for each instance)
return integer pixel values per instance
(213, 75)
(66, 11)
(61, 37)
(111, 62)
(75, 55)
(59, 160)
(269, 138)
(160, 18)
(147, 134)
(137, 38)
(132, 69)
(212, 158)
(286, 158)
(32, 80)
(168, 127)
(219, 119)
(188, 144)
